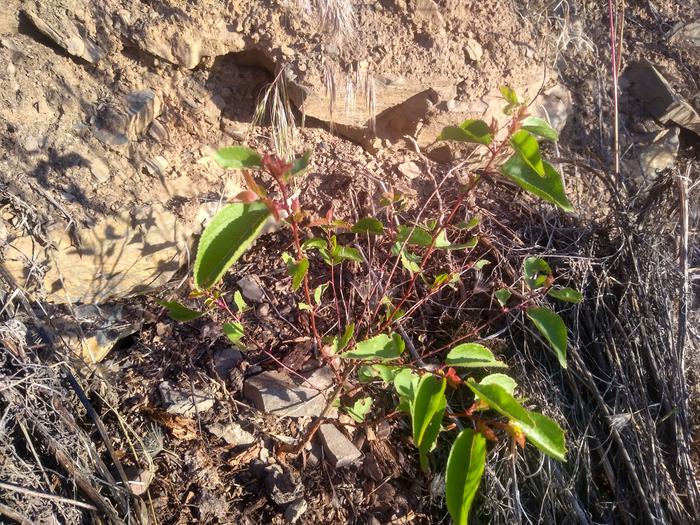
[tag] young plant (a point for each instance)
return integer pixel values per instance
(370, 347)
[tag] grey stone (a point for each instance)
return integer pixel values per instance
(282, 485)
(251, 288)
(232, 433)
(687, 35)
(118, 123)
(295, 510)
(225, 360)
(140, 481)
(338, 449)
(183, 402)
(649, 86)
(275, 393)
(474, 50)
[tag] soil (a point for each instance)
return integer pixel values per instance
(71, 157)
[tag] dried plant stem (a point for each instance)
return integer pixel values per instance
(614, 67)
(44, 495)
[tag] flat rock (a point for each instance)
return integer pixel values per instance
(55, 24)
(295, 510)
(117, 123)
(184, 402)
(276, 393)
(251, 288)
(337, 448)
(687, 35)
(124, 255)
(660, 154)
(232, 433)
(282, 485)
(225, 360)
(660, 99)
(409, 169)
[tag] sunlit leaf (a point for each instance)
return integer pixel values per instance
(539, 127)
(465, 467)
(535, 271)
(506, 382)
(234, 331)
(502, 296)
(472, 355)
(229, 234)
(427, 410)
(474, 131)
(545, 434)
(414, 235)
(238, 300)
(237, 157)
(528, 148)
(359, 410)
(380, 347)
(368, 225)
(497, 398)
(552, 327)
(549, 186)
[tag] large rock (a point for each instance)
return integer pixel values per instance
(128, 254)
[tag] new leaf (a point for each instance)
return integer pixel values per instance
(427, 410)
(552, 327)
(465, 467)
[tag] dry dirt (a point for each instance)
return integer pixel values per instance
(108, 112)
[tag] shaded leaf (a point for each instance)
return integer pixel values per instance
(237, 157)
(549, 187)
(535, 271)
(368, 373)
(229, 234)
(315, 243)
(179, 312)
(368, 225)
(296, 269)
(346, 253)
(479, 265)
(566, 294)
(319, 291)
(414, 235)
(300, 163)
(552, 327)
(502, 296)
(465, 467)
(406, 382)
(472, 355)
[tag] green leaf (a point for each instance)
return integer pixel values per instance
(473, 131)
(479, 265)
(229, 234)
(496, 397)
(180, 312)
(409, 260)
(427, 410)
(535, 271)
(301, 163)
(539, 127)
(304, 307)
(506, 382)
(339, 344)
(237, 157)
(319, 291)
(566, 294)
(510, 97)
(473, 223)
(414, 235)
(368, 225)
(552, 327)
(502, 296)
(315, 243)
(545, 434)
(346, 253)
(406, 383)
(465, 467)
(360, 409)
(238, 300)
(368, 373)
(234, 331)
(380, 347)
(297, 269)
(472, 355)
(549, 187)
(529, 150)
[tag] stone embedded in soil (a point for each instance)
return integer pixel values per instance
(295, 510)
(276, 393)
(225, 360)
(127, 254)
(232, 433)
(184, 402)
(118, 123)
(140, 481)
(687, 35)
(54, 23)
(251, 288)
(661, 100)
(282, 485)
(660, 154)
(338, 449)
(409, 169)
